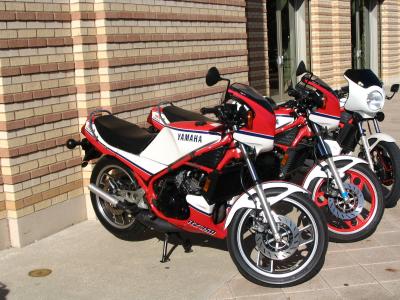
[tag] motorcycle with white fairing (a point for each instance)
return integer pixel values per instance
(362, 103)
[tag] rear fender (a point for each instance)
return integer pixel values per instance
(321, 170)
(374, 139)
(243, 201)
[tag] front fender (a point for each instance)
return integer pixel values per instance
(243, 201)
(374, 139)
(321, 170)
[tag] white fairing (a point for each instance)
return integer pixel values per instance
(334, 147)
(155, 115)
(342, 102)
(357, 100)
(172, 144)
(243, 201)
(374, 139)
(282, 120)
(200, 204)
(147, 165)
(325, 120)
(260, 142)
(322, 171)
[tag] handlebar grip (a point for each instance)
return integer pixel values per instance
(209, 110)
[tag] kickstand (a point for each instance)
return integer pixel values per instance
(165, 256)
(186, 244)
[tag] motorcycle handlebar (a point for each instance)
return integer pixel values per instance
(209, 110)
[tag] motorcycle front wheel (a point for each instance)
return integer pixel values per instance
(296, 258)
(357, 218)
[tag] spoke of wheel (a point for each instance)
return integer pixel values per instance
(258, 258)
(305, 227)
(348, 223)
(271, 269)
(307, 242)
(359, 219)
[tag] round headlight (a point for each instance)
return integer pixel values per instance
(375, 101)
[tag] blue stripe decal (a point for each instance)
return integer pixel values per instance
(139, 167)
(187, 130)
(269, 137)
(325, 116)
(194, 131)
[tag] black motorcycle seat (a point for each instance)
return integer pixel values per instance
(122, 134)
(177, 114)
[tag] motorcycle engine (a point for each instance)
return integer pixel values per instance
(172, 191)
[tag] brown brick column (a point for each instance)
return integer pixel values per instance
(390, 56)
(37, 115)
(330, 39)
(257, 43)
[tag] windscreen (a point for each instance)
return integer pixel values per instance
(363, 77)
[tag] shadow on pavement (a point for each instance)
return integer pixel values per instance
(196, 239)
(3, 291)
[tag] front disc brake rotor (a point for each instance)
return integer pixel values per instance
(350, 209)
(286, 247)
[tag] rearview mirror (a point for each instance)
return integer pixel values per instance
(301, 69)
(213, 76)
(395, 88)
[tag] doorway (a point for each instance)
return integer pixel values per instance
(287, 25)
(364, 34)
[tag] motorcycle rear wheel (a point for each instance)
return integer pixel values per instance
(296, 259)
(120, 223)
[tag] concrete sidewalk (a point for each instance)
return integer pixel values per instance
(89, 263)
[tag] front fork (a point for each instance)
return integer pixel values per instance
(260, 193)
(326, 152)
(365, 144)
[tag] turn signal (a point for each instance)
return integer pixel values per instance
(323, 105)
(206, 185)
(250, 119)
(284, 160)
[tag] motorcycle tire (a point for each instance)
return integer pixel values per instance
(299, 272)
(103, 209)
(392, 153)
(341, 227)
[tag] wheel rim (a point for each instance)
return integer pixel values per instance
(362, 215)
(292, 261)
(383, 165)
(108, 176)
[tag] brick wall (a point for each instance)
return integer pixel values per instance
(60, 59)
(390, 38)
(330, 39)
(257, 43)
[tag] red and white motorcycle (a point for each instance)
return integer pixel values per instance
(344, 188)
(189, 177)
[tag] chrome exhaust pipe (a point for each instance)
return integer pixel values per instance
(103, 195)
(143, 216)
